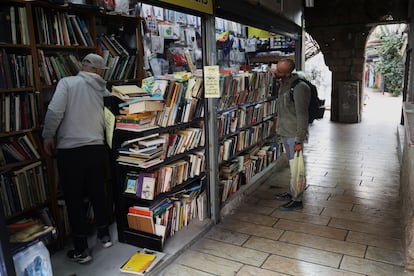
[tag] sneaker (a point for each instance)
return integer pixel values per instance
(291, 206)
(283, 196)
(80, 257)
(105, 241)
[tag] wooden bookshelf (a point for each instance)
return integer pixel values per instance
(42, 42)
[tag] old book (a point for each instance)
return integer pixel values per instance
(126, 92)
(146, 182)
(141, 223)
(144, 106)
(138, 263)
(131, 183)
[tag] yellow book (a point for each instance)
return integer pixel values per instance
(138, 263)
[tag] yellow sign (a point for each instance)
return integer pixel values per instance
(205, 6)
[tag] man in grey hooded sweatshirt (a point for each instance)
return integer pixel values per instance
(74, 127)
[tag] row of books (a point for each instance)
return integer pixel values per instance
(53, 67)
(182, 102)
(20, 111)
(169, 215)
(243, 88)
(244, 139)
(122, 62)
(60, 28)
(241, 170)
(171, 102)
(23, 188)
(17, 149)
(16, 70)
(39, 224)
(163, 145)
(148, 185)
(14, 25)
(231, 121)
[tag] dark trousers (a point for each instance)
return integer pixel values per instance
(82, 174)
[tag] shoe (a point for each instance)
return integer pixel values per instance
(283, 196)
(80, 257)
(105, 241)
(291, 206)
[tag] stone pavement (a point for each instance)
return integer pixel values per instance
(350, 224)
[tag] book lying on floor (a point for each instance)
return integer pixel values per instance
(142, 261)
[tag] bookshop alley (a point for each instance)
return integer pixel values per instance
(194, 160)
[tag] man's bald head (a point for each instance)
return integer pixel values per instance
(284, 68)
(286, 65)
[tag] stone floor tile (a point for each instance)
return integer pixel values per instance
(248, 270)
(322, 243)
(391, 243)
(251, 229)
(369, 267)
(181, 270)
(395, 257)
(358, 217)
(211, 264)
(377, 211)
(301, 268)
(228, 236)
(301, 216)
(262, 210)
(255, 218)
(295, 251)
(329, 203)
(228, 251)
(358, 226)
(313, 229)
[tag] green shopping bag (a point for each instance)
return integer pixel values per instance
(298, 175)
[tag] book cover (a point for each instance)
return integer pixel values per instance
(131, 183)
(146, 184)
(145, 106)
(140, 210)
(141, 223)
(142, 261)
(5, 21)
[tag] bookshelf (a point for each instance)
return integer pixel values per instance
(246, 129)
(176, 170)
(40, 43)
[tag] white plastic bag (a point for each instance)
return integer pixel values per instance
(298, 175)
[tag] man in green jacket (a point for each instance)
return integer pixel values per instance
(292, 124)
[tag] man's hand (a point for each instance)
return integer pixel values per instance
(298, 147)
(49, 147)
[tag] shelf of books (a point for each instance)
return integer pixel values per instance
(246, 129)
(40, 43)
(159, 146)
(24, 186)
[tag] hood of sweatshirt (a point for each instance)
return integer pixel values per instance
(96, 82)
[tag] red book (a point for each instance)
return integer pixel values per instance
(139, 210)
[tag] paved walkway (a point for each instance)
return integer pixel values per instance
(351, 221)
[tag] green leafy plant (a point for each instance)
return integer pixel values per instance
(390, 63)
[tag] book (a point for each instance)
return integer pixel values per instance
(146, 182)
(142, 261)
(140, 210)
(126, 92)
(131, 183)
(144, 106)
(5, 21)
(141, 223)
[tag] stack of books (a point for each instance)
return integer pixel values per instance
(143, 152)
